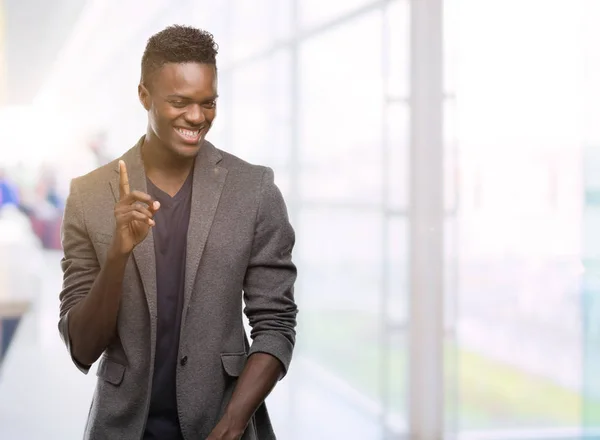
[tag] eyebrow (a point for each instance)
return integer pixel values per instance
(186, 98)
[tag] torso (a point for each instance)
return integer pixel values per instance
(170, 236)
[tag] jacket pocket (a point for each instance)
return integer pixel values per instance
(233, 363)
(110, 371)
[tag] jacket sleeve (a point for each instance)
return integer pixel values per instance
(79, 265)
(270, 278)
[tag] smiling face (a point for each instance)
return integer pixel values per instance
(181, 104)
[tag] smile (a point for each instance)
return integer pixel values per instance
(191, 136)
(188, 133)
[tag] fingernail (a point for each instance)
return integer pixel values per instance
(156, 205)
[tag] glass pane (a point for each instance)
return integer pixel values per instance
(394, 343)
(451, 386)
(341, 256)
(316, 12)
(451, 152)
(257, 25)
(398, 156)
(396, 362)
(397, 42)
(396, 263)
(451, 270)
(451, 29)
(451, 285)
(520, 221)
(591, 323)
(518, 286)
(591, 34)
(341, 114)
(259, 125)
(591, 218)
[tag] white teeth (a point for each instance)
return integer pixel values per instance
(188, 133)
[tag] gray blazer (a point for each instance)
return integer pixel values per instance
(239, 246)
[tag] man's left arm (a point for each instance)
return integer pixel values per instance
(270, 308)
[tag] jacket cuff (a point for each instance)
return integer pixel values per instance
(63, 328)
(276, 345)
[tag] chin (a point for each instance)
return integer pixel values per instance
(187, 151)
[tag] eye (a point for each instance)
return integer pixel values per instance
(178, 104)
(211, 104)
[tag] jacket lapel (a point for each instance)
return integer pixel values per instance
(143, 253)
(209, 179)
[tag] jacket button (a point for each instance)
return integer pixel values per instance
(183, 361)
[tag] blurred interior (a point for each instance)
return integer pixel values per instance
(379, 119)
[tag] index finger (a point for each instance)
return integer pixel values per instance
(123, 180)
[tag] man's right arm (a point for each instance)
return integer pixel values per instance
(89, 301)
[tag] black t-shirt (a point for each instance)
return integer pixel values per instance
(170, 237)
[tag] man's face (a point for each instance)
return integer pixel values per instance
(181, 104)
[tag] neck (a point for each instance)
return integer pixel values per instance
(160, 162)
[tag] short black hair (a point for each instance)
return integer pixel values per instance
(178, 44)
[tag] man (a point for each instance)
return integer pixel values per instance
(158, 249)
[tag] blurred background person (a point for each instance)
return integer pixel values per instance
(8, 191)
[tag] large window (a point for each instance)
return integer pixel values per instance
(591, 214)
(518, 301)
(328, 111)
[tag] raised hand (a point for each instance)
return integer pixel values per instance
(134, 214)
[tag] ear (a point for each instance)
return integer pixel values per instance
(144, 96)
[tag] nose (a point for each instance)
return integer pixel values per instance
(195, 115)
